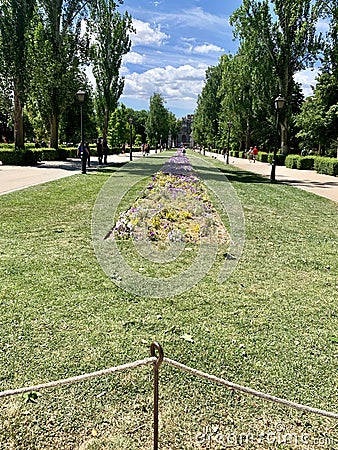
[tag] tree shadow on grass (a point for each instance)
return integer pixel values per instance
(242, 176)
(233, 175)
(208, 172)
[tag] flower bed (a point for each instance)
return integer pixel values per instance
(175, 207)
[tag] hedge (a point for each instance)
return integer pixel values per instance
(327, 166)
(31, 156)
(20, 157)
(306, 162)
(300, 162)
(291, 161)
(262, 157)
(280, 159)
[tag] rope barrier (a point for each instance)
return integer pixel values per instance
(86, 376)
(156, 361)
(247, 390)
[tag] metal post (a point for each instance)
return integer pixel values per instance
(83, 156)
(130, 120)
(156, 346)
(279, 105)
(228, 147)
(81, 98)
(131, 143)
(273, 163)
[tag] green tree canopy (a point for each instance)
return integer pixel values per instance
(157, 125)
(110, 35)
(284, 31)
(15, 26)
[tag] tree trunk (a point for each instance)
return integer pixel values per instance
(284, 91)
(105, 124)
(18, 120)
(54, 132)
(247, 134)
(284, 135)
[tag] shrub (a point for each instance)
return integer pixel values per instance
(280, 159)
(67, 152)
(262, 156)
(20, 157)
(327, 166)
(6, 146)
(51, 154)
(291, 161)
(305, 162)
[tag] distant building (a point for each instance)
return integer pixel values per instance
(185, 135)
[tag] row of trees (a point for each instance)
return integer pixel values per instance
(45, 47)
(278, 38)
(153, 126)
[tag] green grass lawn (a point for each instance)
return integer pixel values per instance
(271, 326)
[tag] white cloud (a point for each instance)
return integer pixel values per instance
(133, 58)
(207, 48)
(146, 35)
(307, 78)
(195, 17)
(179, 86)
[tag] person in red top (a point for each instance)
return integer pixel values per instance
(254, 153)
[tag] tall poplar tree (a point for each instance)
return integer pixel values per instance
(15, 22)
(110, 32)
(157, 125)
(58, 48)
(284, 31)
(318, 120)
(207, 114)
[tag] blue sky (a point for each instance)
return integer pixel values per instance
(176, 41)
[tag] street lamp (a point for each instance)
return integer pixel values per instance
(130, 120)
(228, 147)
(81, 98)
(169, 139)
(279, 105)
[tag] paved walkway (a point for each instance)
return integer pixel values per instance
(13, 178)
(309, 180)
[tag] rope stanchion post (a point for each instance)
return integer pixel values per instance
(156, 346)
(157, 357)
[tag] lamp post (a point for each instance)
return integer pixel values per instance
(130, 120)
(228, 148)
(279, 105)
(81, 97)
(169, 139)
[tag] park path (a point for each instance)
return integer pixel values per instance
(308, 180)
(13, 178)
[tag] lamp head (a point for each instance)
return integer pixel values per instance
(280, 102)
(81, 96)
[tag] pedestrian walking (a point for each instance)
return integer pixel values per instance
(105, 150)
(82, 153)
(99, 150)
